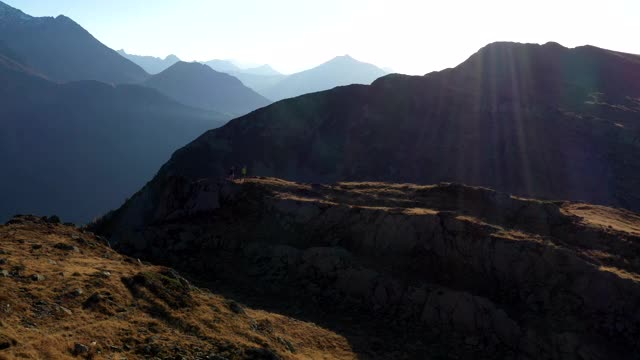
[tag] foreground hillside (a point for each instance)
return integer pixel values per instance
(66, 294)
(464, 270)
(542, 121)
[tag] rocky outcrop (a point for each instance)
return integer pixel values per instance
(506, 276)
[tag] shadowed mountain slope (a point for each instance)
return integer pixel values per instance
(79, 149)
(468, 272)
(62, 50)
(534, 120)
(198, 85)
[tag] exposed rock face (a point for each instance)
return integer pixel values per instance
(510, 277)
(541, 121)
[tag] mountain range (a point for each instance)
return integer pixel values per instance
(198, 85)
(533, 120)
(62, 51)
(80, 148)
(229, 67)
(339, 71)
(150, 64)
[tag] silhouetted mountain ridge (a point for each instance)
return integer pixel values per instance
(532, 120)
(198, 85)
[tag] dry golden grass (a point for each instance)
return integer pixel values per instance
(605, 217)
(143, 311)
(621, 273)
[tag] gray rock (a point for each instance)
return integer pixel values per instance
(236, 308)
(104, 274)
(66, 247)
(4, 273)
(38, 277)
(79, 349)
(65, 310)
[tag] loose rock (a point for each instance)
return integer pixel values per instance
(79, 349)
(66, 247)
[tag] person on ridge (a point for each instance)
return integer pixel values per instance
(232, 173)
(244, 171)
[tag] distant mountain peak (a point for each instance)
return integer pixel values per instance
(340, 71)
(554, 44)
(172, 57)
(262, 70)
(198, 85)
(344, 58)
(222, 65)
(189, 66)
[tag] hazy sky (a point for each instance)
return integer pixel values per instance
(410, 36)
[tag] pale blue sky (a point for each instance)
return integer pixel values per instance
(410, 36)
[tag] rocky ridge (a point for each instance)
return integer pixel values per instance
(490, 275)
